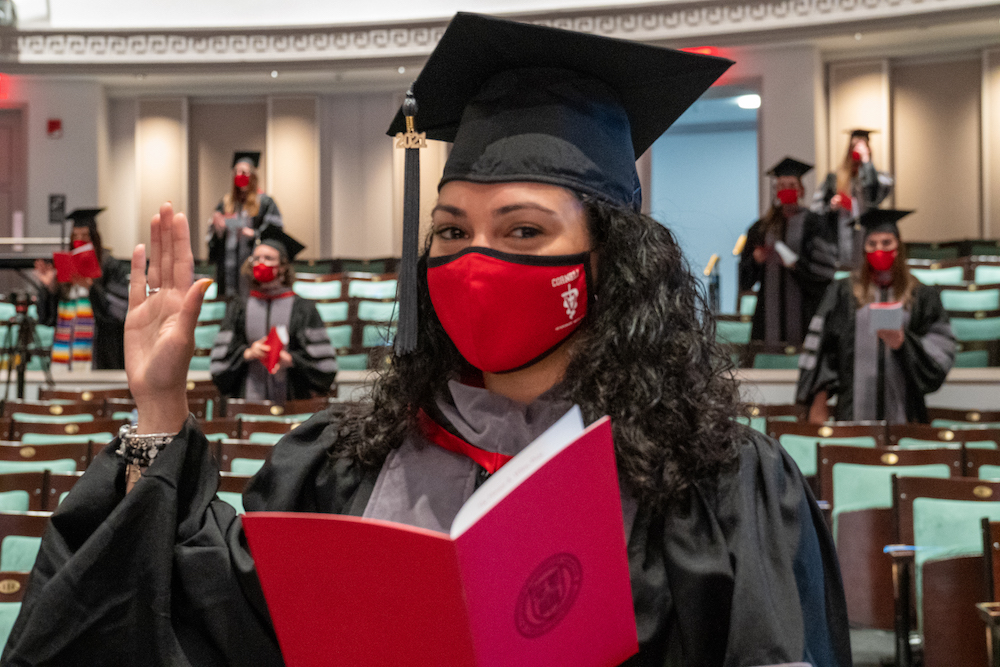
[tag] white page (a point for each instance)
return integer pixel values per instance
(558, 436)
(788, 256)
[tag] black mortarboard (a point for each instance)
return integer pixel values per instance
(882, 220)
(253, 157)
(275, 236)
(524, 102)
(84, 217)
(790, 167)
(861, 133)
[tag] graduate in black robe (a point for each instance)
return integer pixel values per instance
(108, 295)
(731, 563)
(844, 345)
(845, 195)
(779, 254)
(307, 364)
(238, 221)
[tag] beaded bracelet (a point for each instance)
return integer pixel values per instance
(141, 450)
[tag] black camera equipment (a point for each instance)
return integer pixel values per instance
(17, 351)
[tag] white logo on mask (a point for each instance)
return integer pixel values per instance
(570, 297)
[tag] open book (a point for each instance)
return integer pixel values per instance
(534, 572)
(81, 262)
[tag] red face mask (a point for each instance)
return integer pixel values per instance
(263, 273)
(788, 196)
(241, 180)
(881, 260)
(856, 156)
(505, 312)
(77, 243)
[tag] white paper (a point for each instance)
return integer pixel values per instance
(558, 436)
(282, 332)
(886, 316)
(788, 256)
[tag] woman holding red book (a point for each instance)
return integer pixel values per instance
(542, 286)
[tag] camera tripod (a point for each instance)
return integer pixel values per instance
(19, 352)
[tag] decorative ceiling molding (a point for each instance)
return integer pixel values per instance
(672, 21)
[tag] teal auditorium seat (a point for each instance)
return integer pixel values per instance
(318, 291)
(8, 614)
(748, 304)
(31, 418)
(212, 293)
(212, 310)
(340, 335)
(771, 360)
(233, 498)
(50, 438)
(733, 332)
(200, 363)
(204, 335)
(263, 439)
(14, 501)
(333, 312)
(986, 274)
(840, 275)
(970, 300)
(372, 289)
(249, 466)
(951, 275)
(859, 487)
(352, 362)
(377, 311)
(377, 335)
(972, 359)
(57, 465)
(975, 328)
(802, 448)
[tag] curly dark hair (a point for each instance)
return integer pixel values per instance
(646, 356)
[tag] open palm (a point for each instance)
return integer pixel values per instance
(159, 328)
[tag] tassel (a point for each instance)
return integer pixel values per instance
(407, 328)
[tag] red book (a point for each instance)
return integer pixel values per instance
(81, 262)
(276, 340)
(534, 572)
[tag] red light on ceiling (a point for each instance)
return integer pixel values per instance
(702, 50)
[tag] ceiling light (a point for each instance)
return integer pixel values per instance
(748, 101)
(857, 36)
(274, 74)
(401, 69)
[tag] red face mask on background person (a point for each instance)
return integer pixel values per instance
(856, 156)
(77, 243)
(241, 180)
(263, 273)
(788, 196)
(881, 260)
(504, 312)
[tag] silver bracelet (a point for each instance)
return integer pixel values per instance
(141, 450)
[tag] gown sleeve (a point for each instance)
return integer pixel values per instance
(109, 300)
(268, 215)
(876, 185)
(162, 576)
(751, 272)
(216, 243)
(823, 195)
(928, 350)
(227, 365)
(48, 306)
(821, 348)
(818, 261)
(314, 362)
(741, 572)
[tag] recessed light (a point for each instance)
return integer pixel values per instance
(274, 74)
(748, 101)
(857, 36)
(401, 69)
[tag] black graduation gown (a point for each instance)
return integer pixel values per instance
(267, 214)
(314, 365)
(811, 274)
(827, 363)
(109, 301)
(741, 573)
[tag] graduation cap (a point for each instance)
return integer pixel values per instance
(790, 167)
(882, 220)
(84, 217)
(861, 133)
(275, 236)
(526, 102)
(253, 157)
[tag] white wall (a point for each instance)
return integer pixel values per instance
(786, 78)
(68, 165)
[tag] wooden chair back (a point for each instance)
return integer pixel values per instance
(240, 449)
(58, 484)
(247, 427)
(30, 481)
(13, 585)
(19, 429)
(79, 452)
(85, 395)
(972, 416)
(875, 430)
(230, 427)
(54, 408)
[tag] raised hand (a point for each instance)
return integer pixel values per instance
(159, 328)
(46, 274)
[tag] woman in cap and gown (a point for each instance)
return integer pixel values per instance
(242, 214)
(731, 562)
(306, 365)
(779, 254)
(845, 196)
(880, 340)
(89, 313)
